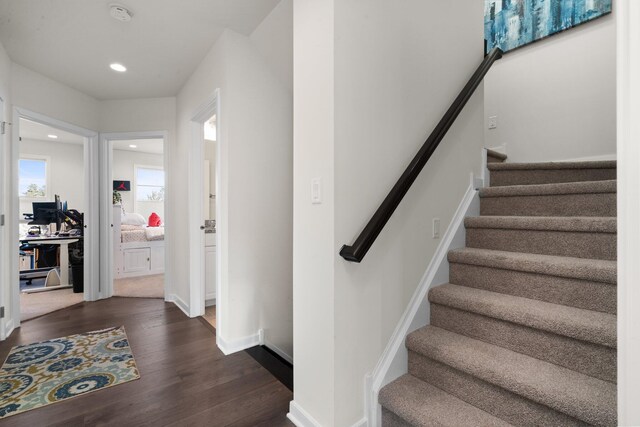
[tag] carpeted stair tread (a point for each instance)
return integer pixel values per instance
(421, 404)
(564, 188)
(578, 268)
(574, 224)
(586, 398)
(600, 164)
(586, 325)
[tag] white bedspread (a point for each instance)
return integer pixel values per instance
(154, 233)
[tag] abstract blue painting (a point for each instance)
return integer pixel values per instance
(509, 24)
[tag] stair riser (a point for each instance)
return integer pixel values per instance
(389, 419)
(558, 290)
(590, 359)
(495, 400)
(599, 204)
(553, 176)
(571, 244)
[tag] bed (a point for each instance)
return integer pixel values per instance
(138, 249)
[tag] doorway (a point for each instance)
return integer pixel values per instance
(50, 222)
(207, 223)
(133, 180)
(52, 217)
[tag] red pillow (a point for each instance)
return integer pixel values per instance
(154, 220)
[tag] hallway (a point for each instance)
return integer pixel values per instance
(185, 379)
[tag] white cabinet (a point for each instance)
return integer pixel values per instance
(157, 259)
(136, 260)
(210, 274)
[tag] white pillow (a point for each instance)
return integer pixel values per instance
(133, 219)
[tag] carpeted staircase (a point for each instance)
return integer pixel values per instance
(525, 332)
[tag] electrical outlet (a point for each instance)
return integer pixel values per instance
(436, 228)
(493, 122)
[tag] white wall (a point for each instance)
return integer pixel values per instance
(273, 39)
(124, 163)
(255, 189)
(43, 95)
(66, 172)
(392, 80)
(313, 225)
(556, 99)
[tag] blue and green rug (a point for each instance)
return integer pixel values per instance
(38, 374)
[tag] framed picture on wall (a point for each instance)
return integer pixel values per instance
(122, 185)
(510, 24)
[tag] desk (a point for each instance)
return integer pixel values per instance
(64, 243)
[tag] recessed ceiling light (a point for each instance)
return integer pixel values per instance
(133, 146)
(118, 67)
(53, 136)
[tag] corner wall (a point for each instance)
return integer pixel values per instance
(255, 186)
(556, 99)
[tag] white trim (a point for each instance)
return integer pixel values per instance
(9, 327)
(277, 350)
(301, 418)
(393, 362)
(92, 226)
(239, 344)
(178, 302)
(628, 132)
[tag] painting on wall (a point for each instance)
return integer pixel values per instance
(510, 24)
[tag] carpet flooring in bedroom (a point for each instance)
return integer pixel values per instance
(140, 287)
(36, 304)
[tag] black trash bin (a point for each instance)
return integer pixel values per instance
(77, 277)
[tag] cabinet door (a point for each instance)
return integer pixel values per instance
(157, 259)
(136, 260)
(210, 272)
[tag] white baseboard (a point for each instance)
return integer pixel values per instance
(300, 417)
(234, 346)
(393, 362)
(591, 158)
(178, 302)
(9, 327)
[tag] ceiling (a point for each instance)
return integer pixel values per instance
(74, 41)
(152, 146)
(40, 132)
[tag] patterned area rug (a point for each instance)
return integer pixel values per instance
(38, 374)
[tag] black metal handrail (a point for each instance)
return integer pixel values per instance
(360, 247)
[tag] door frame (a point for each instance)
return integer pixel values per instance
(3, 243)
(106, 209)
(197, 293)
(91, 214)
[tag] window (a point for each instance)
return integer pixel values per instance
(33, 178)
(149, 184)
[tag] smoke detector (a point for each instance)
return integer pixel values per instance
(120, 13)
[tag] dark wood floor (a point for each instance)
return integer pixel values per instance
(185, 380)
